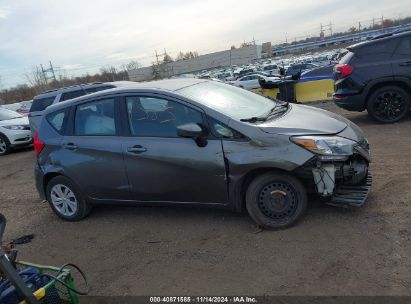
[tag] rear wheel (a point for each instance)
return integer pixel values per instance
(388, 104)
(276, 200)
(65, 200)
(4, 145)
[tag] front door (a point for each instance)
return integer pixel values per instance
(163, 167)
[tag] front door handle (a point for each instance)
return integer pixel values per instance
(408, 63)
(70, 146)
(136, 149)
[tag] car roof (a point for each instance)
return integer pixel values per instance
(378, 39)
(54, 92)
(170, 85)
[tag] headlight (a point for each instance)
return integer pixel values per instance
(327, 147)
(15, 127)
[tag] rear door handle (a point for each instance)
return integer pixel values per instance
(70, 146)
(408, 63)
(136, 149)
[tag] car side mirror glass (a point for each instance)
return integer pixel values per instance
(190, 130)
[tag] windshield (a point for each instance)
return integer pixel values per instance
(7, 114)
(229, 100)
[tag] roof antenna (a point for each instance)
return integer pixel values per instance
(81, 86)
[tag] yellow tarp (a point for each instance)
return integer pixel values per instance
(306, 91)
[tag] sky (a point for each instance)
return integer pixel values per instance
(82, 36)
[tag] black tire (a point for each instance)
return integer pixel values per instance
(5, 143)
(83, 207)
(276, 200)
(388, 104)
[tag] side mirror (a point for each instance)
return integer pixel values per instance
(190, 130)
(194, 131)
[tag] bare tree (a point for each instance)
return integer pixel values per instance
(167, 58)
(132, 65)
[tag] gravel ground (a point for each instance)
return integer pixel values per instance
(180, 251)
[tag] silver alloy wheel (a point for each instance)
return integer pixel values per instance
(3, 146)
(64, 200)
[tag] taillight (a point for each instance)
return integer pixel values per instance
(343, 70)
(38, 144)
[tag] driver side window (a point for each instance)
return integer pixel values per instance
(158, 117)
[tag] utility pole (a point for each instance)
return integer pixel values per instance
(331, 29)
(43, 73)
(52, 71)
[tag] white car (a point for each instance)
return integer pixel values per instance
(248, 81)
(14, 131)
(271, 69)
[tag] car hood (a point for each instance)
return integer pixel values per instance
(305, 120)
(23, 121)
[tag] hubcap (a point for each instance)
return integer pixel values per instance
(64, 200)
(389, 105)
(3, 146)
(278, 200)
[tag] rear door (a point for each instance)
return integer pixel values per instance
(93, 156)
(163, 167)
(402, 59)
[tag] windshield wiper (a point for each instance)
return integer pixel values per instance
(278, 108)
(253, 119)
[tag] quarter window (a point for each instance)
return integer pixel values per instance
(56, 120)
(73, 94)
(40, 104)
(95, 118)
(158, 117)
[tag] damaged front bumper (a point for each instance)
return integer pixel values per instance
(343, 183)
(352, 195)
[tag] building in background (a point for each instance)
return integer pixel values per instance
(266, 50)
(222, 59)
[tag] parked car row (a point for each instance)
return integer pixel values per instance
(22, 107)
(290, 65)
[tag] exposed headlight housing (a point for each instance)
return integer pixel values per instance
(326, 147)
(15, 127)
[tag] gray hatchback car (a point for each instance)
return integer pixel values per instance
(197, 142)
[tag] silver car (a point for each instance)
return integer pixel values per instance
(46, 99)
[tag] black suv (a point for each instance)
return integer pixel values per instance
(376, 75)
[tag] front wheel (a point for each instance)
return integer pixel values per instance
(388, 104)
(276, 200)
(4, 145)
(65, 200)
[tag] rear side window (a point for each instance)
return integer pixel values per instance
(95, 118)
(98, 89)
(56, 120)
(386, 47)
(404, 47)
(39, 104)
(73, 94)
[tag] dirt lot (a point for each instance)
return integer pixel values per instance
(179, 251)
